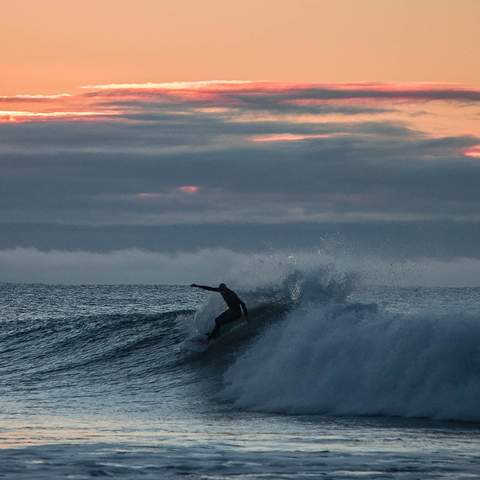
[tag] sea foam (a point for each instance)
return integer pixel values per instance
(335, 357)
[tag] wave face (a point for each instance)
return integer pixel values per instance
(107, 350)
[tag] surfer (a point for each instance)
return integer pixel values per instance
(235, 307)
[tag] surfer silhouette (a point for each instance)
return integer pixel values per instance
(235, 307)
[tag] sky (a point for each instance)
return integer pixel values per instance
(162, 140)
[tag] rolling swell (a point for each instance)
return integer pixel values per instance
(107, 348)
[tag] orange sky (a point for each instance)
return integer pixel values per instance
(50, 46)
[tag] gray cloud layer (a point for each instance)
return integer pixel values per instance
(339, 175)
(373, 171)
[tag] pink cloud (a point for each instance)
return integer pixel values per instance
(473, 152)
(290, 137)
(216, 89)
(103, 100)
(24, 116)
(30, 98)
(189, 189)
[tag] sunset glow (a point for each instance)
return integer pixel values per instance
(240, 239)
(62, 46)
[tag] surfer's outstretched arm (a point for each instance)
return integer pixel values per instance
(204, 287)
(244, 309)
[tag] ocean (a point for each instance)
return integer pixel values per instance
(331, 379)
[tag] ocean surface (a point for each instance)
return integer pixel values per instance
(330, 380)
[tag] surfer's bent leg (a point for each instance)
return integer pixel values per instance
(226, 317)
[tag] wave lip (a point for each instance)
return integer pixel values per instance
(350, 359)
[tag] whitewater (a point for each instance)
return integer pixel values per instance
(331, 379)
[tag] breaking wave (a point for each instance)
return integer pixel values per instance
(310, 350)
(355, 359)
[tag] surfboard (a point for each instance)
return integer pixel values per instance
(199, 343)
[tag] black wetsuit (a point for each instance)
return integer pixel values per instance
(235, 307)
